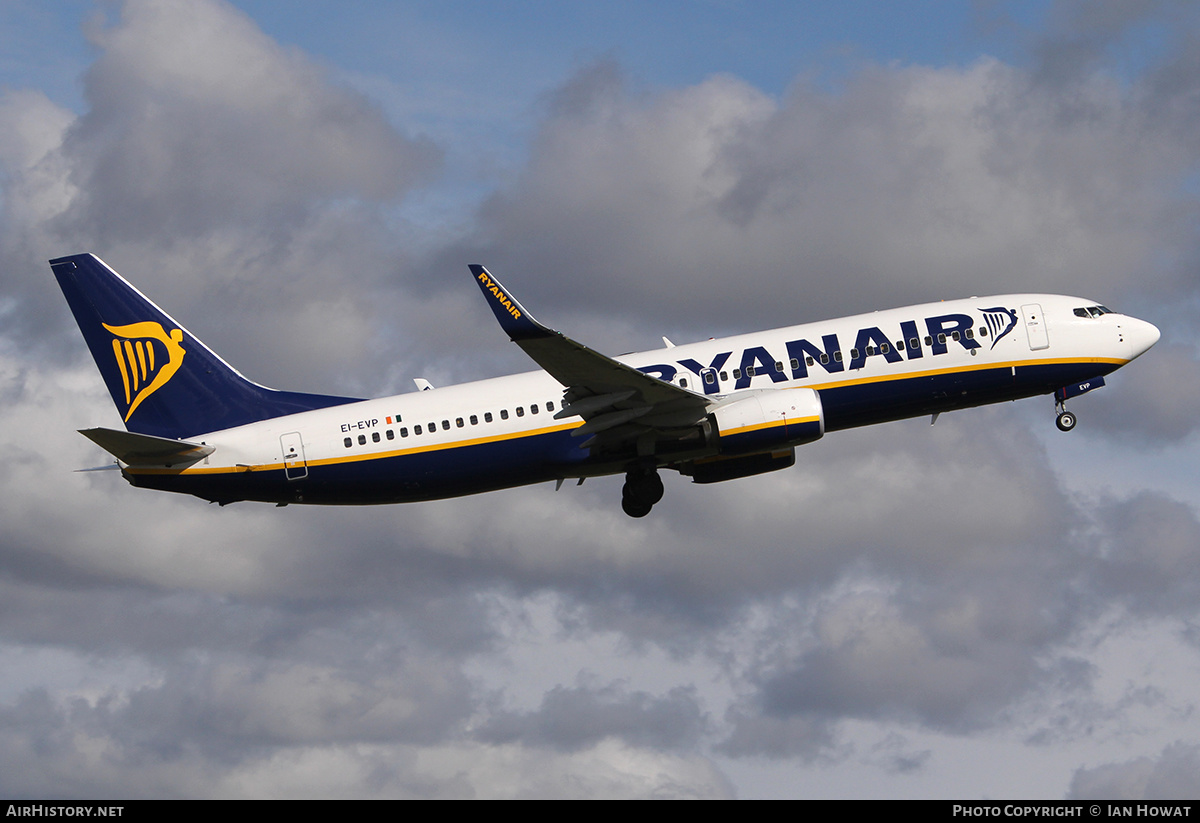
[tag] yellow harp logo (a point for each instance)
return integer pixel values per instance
(147, 357)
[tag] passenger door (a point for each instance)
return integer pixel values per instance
(1035, 326)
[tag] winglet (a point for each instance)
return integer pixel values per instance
(605, 392)
(516, 322)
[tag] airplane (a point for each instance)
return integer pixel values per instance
(713, 411)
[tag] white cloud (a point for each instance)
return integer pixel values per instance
(914, 581)
(1173, 775)
(911, 182)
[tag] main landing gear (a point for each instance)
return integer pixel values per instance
(643, 488)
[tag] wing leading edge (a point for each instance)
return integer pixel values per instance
(617, 402)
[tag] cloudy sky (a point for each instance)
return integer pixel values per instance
(984, 608)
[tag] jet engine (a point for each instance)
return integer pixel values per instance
(758, 433)
(768, 421)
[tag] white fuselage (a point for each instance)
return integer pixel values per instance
(501, 432)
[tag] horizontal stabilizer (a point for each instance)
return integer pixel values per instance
(147, 450)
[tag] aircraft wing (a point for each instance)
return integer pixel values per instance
(610, 396)
(147, 450)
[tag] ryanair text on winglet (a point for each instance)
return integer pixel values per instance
(491, 286)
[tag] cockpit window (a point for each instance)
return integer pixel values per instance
(1092, 311)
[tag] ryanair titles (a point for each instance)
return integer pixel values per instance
(501, 298)
(911, 343)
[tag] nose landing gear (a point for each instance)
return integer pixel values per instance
(1065, 420)
(643, 488)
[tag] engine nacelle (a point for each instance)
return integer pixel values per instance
(768, 421)
(716, 469)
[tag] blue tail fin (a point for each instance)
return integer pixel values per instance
(164, 381)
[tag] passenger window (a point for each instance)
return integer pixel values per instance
(824, 358)
(884, 349)
(404, 431)
(970, 333)
(446, 425)
(417, 429)
(458, 421)
(710, 378)
(362, 440)
(955, 335)
(983, 331)
(837, 355)
(928, 340)
(808, 361)
(724, 376)
(520, 411)
(854, 354)
(795, 364)
(913, 343)
(737, 374)
(550, 406)
(432, 428)
(899, 345)
(533, 409)
(750, 371)
(474, 420)
(504, 414)
(941, 338)
(683, 382)
(391, 435)
(779, 367)
(349, 442)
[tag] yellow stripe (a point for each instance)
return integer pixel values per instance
(770, 424)
(358, 458)
(132, 362)
(885, 378)
(118, 352)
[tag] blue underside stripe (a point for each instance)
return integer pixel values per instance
(536, 458)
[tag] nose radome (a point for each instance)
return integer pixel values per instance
(1141, 335)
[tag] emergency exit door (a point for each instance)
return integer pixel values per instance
(293, 456)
